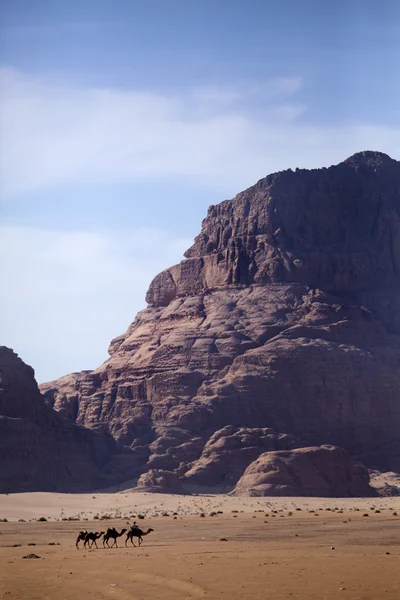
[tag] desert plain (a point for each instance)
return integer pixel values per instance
(250, 548)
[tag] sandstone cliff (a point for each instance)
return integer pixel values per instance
(283, 320)
(40, 451)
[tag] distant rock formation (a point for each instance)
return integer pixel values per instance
(230, 451)
(323, 471)
(39, 450)
(283, 322)
(385, 484)
(159, 481)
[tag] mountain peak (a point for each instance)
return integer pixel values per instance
(369, 158)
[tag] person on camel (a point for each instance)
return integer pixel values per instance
(135, 526)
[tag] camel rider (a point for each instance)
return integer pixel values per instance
(134, 526)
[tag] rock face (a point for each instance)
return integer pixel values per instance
(230, 450)
(160, 482)
(335, 229)
(322, 471)
(385, 484)
(41, 451)
(282, 323)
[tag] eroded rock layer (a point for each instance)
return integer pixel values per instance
(324, 471)
(39, 450)
(282, 323)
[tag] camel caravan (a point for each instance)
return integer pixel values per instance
(89, 538)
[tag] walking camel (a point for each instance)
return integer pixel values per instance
(81, 538)
(112, 534)
(92, 537)
(137, 533)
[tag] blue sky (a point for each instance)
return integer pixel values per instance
(122, 121)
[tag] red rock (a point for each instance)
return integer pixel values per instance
(323, 471)
(284, 316)
(228, 453)
(39, 450)
(159, 481)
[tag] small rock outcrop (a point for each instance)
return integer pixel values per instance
(230, 451)
(385, 484)
(284, 317)
(159, 481)
(325, 471)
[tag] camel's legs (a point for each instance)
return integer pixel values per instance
(95, 544)
(132, 542)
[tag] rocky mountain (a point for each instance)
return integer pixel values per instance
(280, 330)
(39, 450)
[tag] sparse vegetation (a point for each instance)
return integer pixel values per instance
(42, 519)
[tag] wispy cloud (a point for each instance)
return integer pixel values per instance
(274, 89)
(52, 133)
(65, 295)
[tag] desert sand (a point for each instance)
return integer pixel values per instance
(294, 548)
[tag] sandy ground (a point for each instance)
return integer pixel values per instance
(291, 553)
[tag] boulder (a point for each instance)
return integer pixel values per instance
(325, 471)
(162, 482)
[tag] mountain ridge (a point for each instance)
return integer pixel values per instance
(283, 317)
